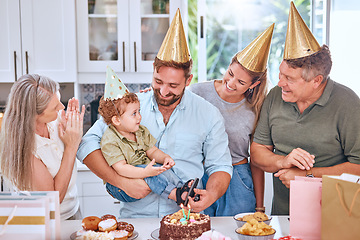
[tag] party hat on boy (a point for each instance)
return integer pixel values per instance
(300, 42)
(114, 88)
(174, 46)
(254, 57)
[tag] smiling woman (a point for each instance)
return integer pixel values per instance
(38, 147)
(239, 97)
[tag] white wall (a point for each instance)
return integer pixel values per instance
(344, 42)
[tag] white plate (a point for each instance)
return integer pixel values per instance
(155, 234)
(135, 235)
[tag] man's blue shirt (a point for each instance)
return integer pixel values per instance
(194, 137)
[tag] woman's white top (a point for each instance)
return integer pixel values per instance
(50, 152)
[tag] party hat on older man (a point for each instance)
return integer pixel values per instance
(300, 42)
(255, 56)
(114, 88)
(174, 46)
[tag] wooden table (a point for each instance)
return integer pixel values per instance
(146, 226)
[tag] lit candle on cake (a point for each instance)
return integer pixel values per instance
(182, 207)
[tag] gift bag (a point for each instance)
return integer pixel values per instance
(305, 208)
(24, 218)
(340, 207)
(54, 207)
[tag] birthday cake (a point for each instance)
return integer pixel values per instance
(183, 226)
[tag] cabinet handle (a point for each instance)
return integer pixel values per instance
(202, 27)
(135, 56)
(116, 202)
(27, 62)
(123, 56)
(15, 69)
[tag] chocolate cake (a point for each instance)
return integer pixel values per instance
(180, 226)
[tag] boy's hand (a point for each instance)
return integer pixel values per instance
(150, 170)
(168, 162)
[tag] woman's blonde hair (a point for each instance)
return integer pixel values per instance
(29, 96)
(256, 96)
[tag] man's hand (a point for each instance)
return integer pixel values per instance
(298, 158)
(285, 175)
(206, 199)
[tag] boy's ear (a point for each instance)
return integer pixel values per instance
(115, 120)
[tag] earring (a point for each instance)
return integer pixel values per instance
(250, 90)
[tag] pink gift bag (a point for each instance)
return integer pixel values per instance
(305, 208)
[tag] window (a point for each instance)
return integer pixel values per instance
(222, 33)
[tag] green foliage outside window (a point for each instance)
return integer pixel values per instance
(225, 38)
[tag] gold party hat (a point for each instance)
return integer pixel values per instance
(114, 87)
(299, 42)
(174, 46)
(254, 57)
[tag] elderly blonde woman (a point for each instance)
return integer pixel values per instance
(38, 144)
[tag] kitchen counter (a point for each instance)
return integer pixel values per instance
(145, 226)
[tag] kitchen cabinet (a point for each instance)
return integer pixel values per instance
(93, 197)
(38, 36)
(124, 34)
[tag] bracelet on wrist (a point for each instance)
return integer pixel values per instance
(260, 209)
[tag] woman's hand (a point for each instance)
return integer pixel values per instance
(71, 124)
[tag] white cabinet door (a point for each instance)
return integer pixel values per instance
(93, 197)
(102, 33)
(124, 34)
(42, 34)
(149, 23)
(10, 46)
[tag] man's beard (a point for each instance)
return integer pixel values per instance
(167, 102)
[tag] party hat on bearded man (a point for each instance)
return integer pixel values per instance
(114, 88)
(174, 46)
(254, 57)
(300, 42)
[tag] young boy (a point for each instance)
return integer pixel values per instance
(128, 146)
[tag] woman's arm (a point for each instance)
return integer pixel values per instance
(259, 183)
(43, 181)
(71, 137)
(127, 170)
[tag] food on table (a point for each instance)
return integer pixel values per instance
(287, 238)
(91, 235)
(90, 223)
(106, 227)
(255, 228)
(107, 216)
(258, 216)
(212, 235)
(183, 225)
(120, 234)
(126, 226)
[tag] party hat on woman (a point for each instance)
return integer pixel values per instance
(254, 57)
(300, 42)
(114, 88)
(174, 46)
